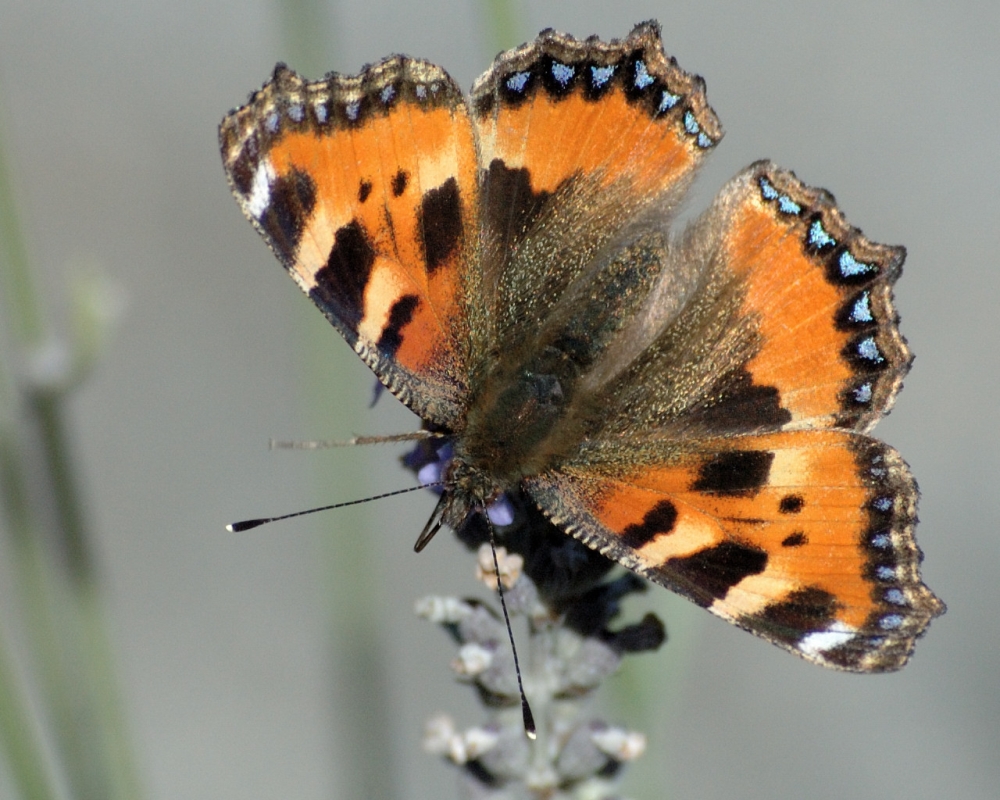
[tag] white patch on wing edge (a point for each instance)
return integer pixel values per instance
(816, 644)
(260, 192)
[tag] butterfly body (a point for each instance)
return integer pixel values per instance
(694, 405)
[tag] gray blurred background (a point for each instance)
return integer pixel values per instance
(239, 655)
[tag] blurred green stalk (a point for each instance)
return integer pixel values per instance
(20, 738)
(502, 28)
(69, 648)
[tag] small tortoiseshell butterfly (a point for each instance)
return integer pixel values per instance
(694, 406)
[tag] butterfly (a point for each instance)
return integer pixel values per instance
(692, 404)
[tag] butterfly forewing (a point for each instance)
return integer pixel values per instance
(366, 189)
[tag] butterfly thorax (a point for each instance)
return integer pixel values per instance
(517, 427)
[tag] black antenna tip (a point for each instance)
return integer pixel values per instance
(245, 525)
(529, 719)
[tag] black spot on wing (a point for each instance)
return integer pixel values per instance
(441, 223)
(881, 509)
(796, 539)
(645, 88)
(292, 199)
(791, 504)
(599, 79)
(399, 317)
(892, 653)
(734, 473)
(340, 284)
(635, 68)
(857, 313)
(658, 521)
(484, 104)
(717, 569)
(510, 205)
(802, 612)
(843, 269)
(399, 181)
(364, 190)
(741, 406)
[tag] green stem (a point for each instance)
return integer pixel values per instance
(46, 408)
(107, 707)
(19, 735)
(20, 738)
(58, 589)
(502, 27)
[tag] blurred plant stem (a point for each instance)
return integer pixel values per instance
(19, 735)
(361, 693)
(501, 26)
(59, 591)
(20, 739)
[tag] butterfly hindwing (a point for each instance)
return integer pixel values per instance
(802, 537)
(366, 189)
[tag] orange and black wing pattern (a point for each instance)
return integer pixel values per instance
(366, 189)
(581, 143)
(819, 294)
(802, 537)
(746, 482)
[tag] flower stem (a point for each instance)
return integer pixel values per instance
(56, 581)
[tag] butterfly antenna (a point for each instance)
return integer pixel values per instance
(324, 444)
(529, 719)
(247, 524)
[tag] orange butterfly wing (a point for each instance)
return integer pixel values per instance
(748, 485)
(820, 294)
(366, 189)
(802, 537)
